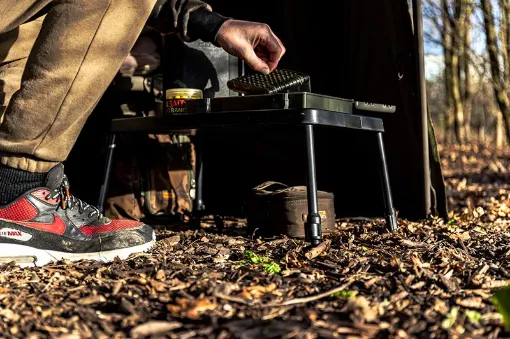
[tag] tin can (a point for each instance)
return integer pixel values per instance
(176, 99)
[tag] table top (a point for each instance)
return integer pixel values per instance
(188, 122)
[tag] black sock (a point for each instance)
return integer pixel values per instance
(14, 182)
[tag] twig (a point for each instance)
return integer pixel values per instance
(464, 248)
(409, 292)
(241, 277)
(179, 287)
(309, 299)
(413, 244)
(316, 251)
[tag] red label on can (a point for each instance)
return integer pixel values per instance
(176, 106)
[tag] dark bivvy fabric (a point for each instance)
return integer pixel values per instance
(362, 50)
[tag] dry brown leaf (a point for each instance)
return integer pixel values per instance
(94, 299)
(117, 287)
(158, 286)
(474, 302)
(440, 307)
(191, 309)
(171, 241)
(495, 284)
(371, 282)
(478, 212)
(399, 296)
(160, 275)
(409, 280)
(362, 304)
(464, 236)
(256, 292)
(9, 315)
(479, 276)
(154, 328)
(312, 315)
(413, 244)
(200, 307)
(492, 319)
(418, 285)
(292, 260)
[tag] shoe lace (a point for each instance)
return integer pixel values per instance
(69, 201)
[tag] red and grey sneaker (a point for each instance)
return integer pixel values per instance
(48, 224)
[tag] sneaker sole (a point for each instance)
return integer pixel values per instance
(26, 256)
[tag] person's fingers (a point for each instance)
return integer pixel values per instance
(274, 48)
(184, 18)
(274, 45)
(262, 53)
(185, 8)
(271, 58)
(180, 5)
(254, 62)
(256, 44)
(175, 13)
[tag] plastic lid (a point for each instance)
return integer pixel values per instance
(183, 93)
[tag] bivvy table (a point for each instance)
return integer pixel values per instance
(207, 113)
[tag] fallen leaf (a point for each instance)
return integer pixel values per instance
(474, 302)
(154, 328)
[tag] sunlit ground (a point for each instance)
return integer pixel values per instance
(431, 279)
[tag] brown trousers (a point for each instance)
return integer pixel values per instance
(54, 69)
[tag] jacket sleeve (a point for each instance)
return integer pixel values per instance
(191, 19)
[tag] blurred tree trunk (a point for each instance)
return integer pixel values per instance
(446, 39)
(500, 130)
(468, 88)
(482, 124)
(458, 24)
(499, 78)
(504, 33)
(453, 26)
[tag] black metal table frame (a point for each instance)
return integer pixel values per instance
(285, 117)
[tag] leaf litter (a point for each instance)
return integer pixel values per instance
(431, 279)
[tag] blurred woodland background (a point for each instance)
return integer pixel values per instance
(468, 70)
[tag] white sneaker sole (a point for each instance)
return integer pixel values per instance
(26, 256)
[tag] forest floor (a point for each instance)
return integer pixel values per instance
(429, 280)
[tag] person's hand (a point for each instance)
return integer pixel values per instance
(181, 10)
(255, 43)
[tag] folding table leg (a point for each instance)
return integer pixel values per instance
(391, 218)
(198, 203)
(313, 229)
(107, 173)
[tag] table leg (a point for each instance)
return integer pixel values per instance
(107, 173)
(391, 218)
(313, 222)
(198, 203)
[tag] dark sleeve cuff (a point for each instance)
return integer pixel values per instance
(204, 25)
